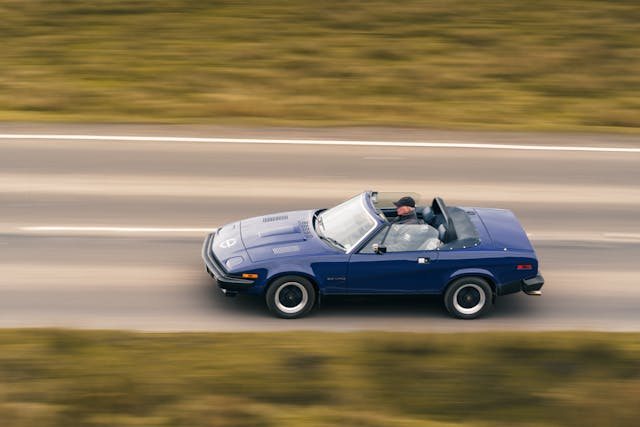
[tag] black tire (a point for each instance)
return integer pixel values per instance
(468, 298)
(290, 297)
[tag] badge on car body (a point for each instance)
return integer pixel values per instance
(228, 243)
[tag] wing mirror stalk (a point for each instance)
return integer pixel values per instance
(379, 249)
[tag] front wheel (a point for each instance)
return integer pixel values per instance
(468, 298)
(290, 297)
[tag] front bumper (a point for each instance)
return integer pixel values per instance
(531, 286)
(216, 271)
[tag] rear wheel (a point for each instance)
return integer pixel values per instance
(468, 298)
(290, 297)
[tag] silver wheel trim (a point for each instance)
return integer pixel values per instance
(476, 308)
(297, 308)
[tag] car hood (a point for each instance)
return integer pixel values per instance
(281, 234)
(504, 229)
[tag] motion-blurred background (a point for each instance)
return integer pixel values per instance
(106, 234)
(546, 65)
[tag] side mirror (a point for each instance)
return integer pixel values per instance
(379, 249)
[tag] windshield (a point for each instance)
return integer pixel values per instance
(346, 224)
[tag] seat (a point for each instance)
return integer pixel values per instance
(442, 233)
(411, 237)
(429, 237)
(427, 215)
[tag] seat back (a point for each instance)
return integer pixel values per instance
(442, 233)
(428, 215)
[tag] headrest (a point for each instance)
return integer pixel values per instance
(427, 214)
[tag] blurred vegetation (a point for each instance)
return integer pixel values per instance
(87, 378)
(546, 65)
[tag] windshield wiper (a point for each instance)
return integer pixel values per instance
(334, 242)
(318, 218)
(323, 236)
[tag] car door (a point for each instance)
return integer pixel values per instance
(406, 267)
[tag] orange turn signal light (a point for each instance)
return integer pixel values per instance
(249, 276)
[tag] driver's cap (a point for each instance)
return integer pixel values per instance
(406, 201)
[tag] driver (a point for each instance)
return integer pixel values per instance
(406, 209)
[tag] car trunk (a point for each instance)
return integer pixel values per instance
(505, 229)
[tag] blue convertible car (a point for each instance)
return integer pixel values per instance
(468, 255)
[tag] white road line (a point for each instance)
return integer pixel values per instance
(116, 229)
(384, 158)
(575, 236)
(584, 237)
(433, 144)
(623, 235)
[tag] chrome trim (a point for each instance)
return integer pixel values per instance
(294, 309)
(471, 310)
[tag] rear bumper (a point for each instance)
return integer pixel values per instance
(531, 286)
(216, 271)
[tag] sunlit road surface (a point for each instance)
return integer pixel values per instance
(99, 233)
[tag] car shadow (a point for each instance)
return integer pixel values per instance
(362, 306)
(382, 306)
(247, 305)
(333, 306)
(514, 306)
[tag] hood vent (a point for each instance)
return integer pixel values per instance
(275, 218)
(304, 227)
(286, 249)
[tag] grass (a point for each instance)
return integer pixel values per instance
(89, 378)
(544, 65)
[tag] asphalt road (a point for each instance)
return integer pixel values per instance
(107, 234)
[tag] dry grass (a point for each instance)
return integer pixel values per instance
(62, 378)
(545, 65)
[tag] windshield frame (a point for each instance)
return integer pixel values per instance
(365, 204)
